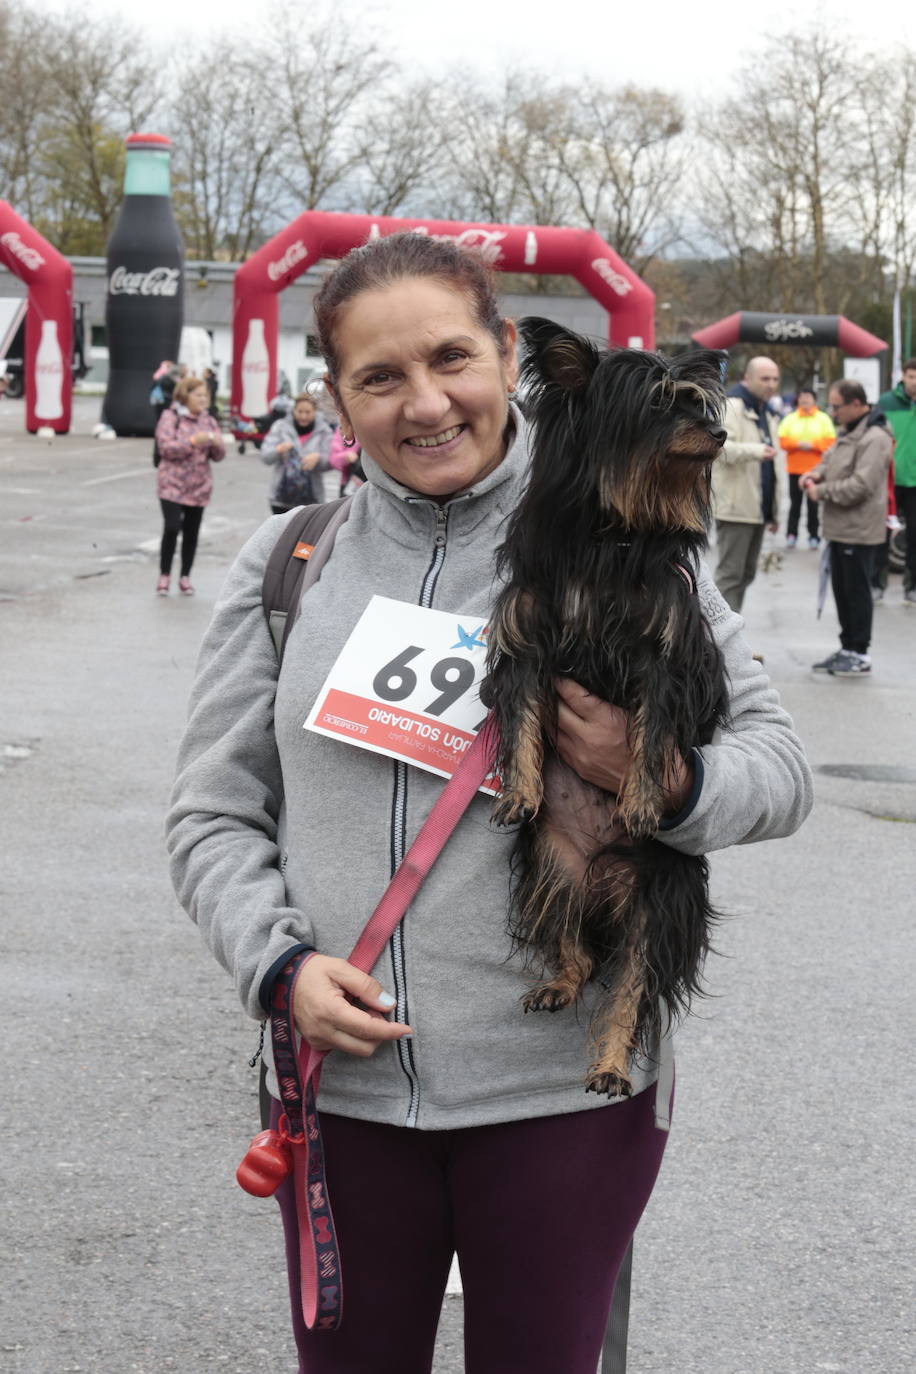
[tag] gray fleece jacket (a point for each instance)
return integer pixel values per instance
(283, 431)
(279, 836)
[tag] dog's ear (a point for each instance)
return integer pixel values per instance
(704, 366)
(557, 355)
(702, 372)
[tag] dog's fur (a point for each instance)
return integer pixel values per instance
(599, 587)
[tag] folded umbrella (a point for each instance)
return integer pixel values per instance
(823, 578)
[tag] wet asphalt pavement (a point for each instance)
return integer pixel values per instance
(779, 1239)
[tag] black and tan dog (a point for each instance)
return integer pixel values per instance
(599, 587)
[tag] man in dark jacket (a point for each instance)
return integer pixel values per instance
(851, 482)
(899, 405)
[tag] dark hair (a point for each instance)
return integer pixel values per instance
(383, 261)
(850, 391)
(805, 391)
(909, 365)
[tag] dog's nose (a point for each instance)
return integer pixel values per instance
(718, 436)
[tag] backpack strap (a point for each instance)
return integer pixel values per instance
(296, 561)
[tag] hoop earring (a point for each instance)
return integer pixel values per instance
(350, 443)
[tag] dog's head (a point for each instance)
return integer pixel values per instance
(639, 430)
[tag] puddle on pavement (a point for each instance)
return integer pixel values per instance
(869, 772)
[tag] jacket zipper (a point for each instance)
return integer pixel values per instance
(399, 845)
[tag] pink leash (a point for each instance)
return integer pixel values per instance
(319, 1258)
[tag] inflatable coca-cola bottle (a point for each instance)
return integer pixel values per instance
(145, 301)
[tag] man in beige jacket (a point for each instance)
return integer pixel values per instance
(744, 479)
(851, 482)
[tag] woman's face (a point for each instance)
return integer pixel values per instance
(304, 412)
(423, 385)
(198, 400)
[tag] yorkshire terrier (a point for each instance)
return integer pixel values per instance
(598, 570)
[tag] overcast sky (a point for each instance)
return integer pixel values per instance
(677, 45)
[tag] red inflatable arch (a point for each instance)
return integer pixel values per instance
(579, 253)
(48, 321)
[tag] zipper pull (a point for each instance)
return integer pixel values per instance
(441, 522)
(252, 1063)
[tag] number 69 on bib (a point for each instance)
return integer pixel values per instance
(406, 684)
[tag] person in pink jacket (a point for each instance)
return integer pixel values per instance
(188, 440)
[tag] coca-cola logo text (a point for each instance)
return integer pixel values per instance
(486, 241)
(30, 257)
(614, 279)
(158, 281)
(787, 329)
(294, 253)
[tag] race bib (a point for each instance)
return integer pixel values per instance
(406, 684)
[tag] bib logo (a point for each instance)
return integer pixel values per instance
(158, 281)
(29, 257)
(294, 253)
(614, 279)
(787, 329)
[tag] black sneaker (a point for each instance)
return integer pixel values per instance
(826, 665)
(850, 664)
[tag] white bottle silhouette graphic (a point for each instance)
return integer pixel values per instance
(255, 370)
(49, 374)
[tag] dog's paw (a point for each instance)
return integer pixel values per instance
(641, 821)
(511, 808)
(612, 1084)
(547, 998)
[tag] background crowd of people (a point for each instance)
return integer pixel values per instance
(853, 467)
(295, 440)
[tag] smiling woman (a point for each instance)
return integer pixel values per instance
(448, 1116)
(430, 405)
(421, 365)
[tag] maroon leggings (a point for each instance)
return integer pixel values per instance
(540, 1213)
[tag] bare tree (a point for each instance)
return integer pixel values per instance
(782, 158)
(227, 188)
(882, 216)
(623, 153)
(393, 175)
(322, 75)
(591, 156)
(99, 87)
(22, 107)
(480, 178)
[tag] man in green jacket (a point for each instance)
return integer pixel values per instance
(899, 405)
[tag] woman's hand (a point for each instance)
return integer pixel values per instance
(310, 460)
(202, 440)
(285, 447)
(326, 1017)
(592, 739)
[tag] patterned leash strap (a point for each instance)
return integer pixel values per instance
(299, 1070)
